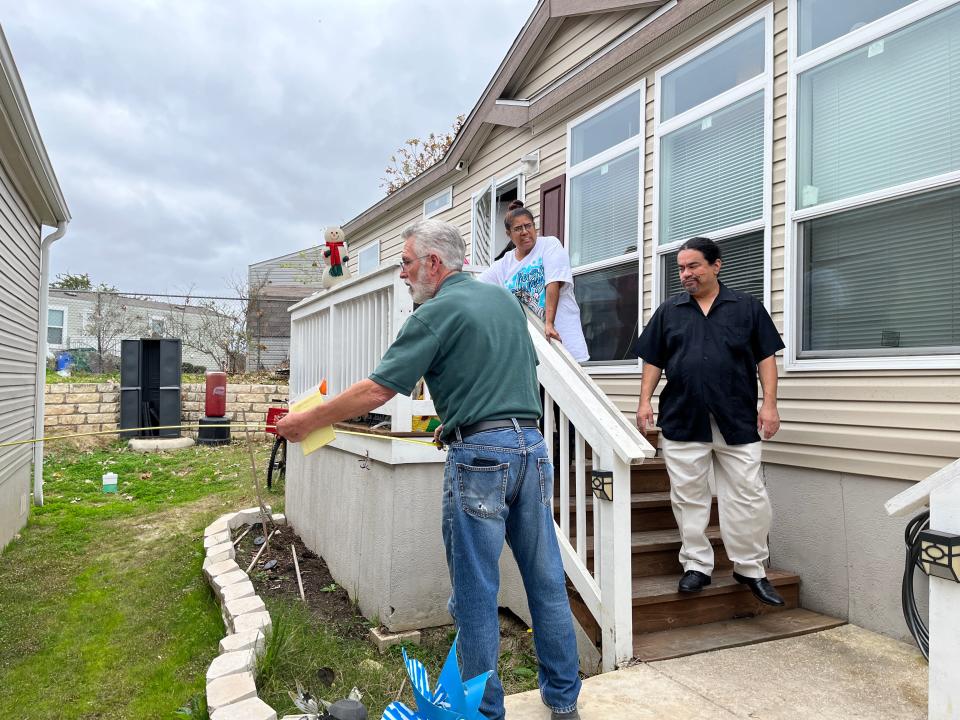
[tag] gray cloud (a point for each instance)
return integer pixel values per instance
(193, 138)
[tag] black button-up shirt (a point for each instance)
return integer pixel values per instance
(711, 364)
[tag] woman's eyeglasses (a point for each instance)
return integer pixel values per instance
(522, 228)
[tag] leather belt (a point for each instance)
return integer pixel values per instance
(476, 427)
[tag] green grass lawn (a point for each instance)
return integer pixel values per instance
(105, 614)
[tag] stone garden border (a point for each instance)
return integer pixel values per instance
(231, 688)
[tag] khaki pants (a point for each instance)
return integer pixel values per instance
(745, 513)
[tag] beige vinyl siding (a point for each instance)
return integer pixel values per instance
(577, 39)
(902, 424)
(295, 269)
(19, 308)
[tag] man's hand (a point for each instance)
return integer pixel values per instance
(294, 426)
(551, 332)
(645, 417)
(436, 437)
(768, 421)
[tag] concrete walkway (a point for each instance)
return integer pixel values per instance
(840, 674)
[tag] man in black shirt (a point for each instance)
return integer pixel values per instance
(712, 341)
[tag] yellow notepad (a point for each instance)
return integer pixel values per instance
(320, 437)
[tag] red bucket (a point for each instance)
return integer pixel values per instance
(273, 415)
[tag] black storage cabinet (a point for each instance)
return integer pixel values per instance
(150, 377)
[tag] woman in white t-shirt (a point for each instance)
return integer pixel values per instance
(538, 272)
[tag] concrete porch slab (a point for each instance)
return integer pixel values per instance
(838, 674)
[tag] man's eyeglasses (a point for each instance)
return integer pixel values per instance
(522, 228)
(404, 263)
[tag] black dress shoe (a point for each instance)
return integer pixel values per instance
(572, 715)
(761, 588)
(693, 581)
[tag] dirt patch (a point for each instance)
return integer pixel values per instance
(330, 603)
(327, 601)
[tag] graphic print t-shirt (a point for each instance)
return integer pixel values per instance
(547, 262)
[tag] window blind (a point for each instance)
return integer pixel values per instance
(884, 277)
(742, 266)
(711, 172)
(881, 115)
(604, 210)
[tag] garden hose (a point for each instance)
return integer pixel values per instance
(911, 614)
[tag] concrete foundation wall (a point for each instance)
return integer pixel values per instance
(12, 492)
(377, 529)
(832, 530)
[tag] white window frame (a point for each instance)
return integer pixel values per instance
(762, 82)
(163, 324)
(612, 153)
(793, 284)
(448, 192)
(492, 186)
(366, 250)
(63, 328)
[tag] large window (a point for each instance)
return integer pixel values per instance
(604, 206)
(875, 206)
(883, 279)
(881, 115)
(56, 323)
(712, 148)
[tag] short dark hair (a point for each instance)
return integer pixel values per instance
(710, 250)
(516, 210)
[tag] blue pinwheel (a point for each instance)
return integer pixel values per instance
(452, 699)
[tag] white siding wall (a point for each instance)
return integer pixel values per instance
(901, 424)
(19, 308)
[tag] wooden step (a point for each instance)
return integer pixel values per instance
(648, 511)
(656, 552)
(657, 605)
(667, 644)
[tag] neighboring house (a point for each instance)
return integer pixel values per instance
(72, 323)
(274, 285)
(819, 144)
(30, 198)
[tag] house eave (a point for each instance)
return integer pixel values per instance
(22, 146)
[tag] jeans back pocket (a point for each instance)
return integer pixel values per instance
(483, 488)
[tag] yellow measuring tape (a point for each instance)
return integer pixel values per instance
(192, 426)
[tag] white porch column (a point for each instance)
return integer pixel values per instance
(944, 692)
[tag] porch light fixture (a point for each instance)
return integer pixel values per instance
(602, 483)
(940, 554)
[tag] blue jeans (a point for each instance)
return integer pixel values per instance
(499, 484)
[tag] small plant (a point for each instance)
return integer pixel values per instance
(196, 709)
(332, 587)
(277, 641)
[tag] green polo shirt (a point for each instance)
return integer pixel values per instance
(470, 343)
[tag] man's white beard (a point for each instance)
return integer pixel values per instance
(420, 291)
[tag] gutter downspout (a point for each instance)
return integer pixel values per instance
(42, 359)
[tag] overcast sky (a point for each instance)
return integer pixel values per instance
(194, 137)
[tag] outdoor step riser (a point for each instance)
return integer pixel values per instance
(641, 518)
(641, 480)
(684, 611)
(666, 562)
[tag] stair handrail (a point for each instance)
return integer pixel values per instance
(602, 417)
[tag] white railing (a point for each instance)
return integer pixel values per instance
(598, 558)
(941, 492)
(341, 334)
